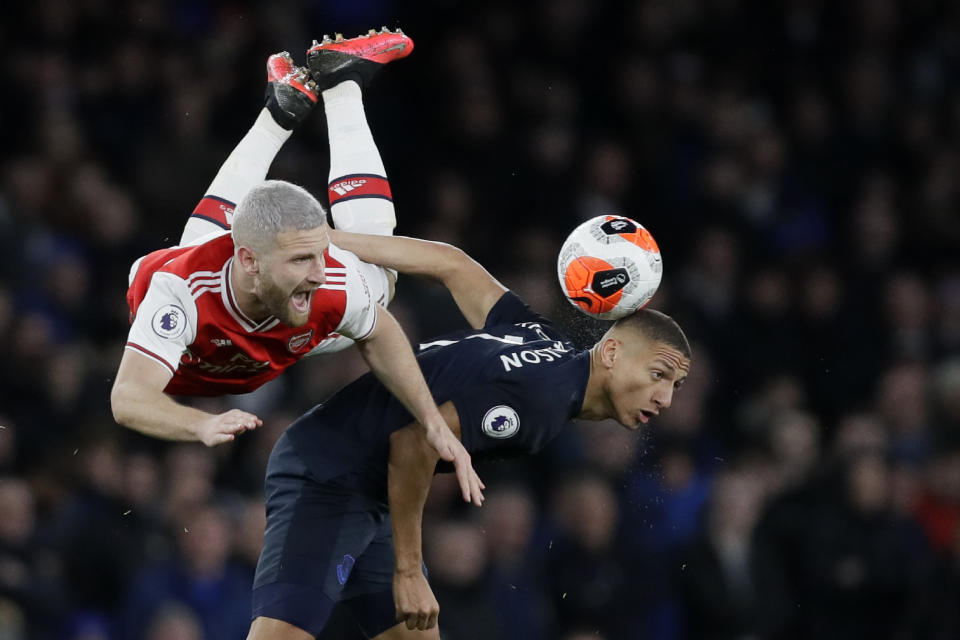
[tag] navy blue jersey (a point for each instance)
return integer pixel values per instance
(515, 384)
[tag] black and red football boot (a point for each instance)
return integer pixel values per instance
(291, 94)
(332, 61)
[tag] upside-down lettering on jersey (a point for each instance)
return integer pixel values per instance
(533, 356)
(516, 359)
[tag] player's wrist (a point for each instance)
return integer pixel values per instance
(200, 433)
(408, 561)
(432, 428)
(205, 428)
(435, 424)
(409, 571)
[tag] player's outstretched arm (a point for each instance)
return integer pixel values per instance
(472, 287)
(388, 353)
(138, 402)
(410, 471)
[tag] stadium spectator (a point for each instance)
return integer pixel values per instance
(719, 596)
(175, 622)
(200, 577)
(462, 581)
(827, 576)
(588, 568)
(517, 551)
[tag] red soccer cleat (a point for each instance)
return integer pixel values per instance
(333, 61)
(290, 94)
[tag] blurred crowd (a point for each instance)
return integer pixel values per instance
(797, 161)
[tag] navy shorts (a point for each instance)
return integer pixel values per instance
(327, 554)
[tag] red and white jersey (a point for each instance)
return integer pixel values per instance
(184, 315)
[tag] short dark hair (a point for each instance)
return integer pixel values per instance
(657, 327)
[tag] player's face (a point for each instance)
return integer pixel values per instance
(644, 380)
(293, 269)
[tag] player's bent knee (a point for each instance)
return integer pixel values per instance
(264, 628)
(400, 632)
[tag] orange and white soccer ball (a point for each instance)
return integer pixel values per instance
(609, 267)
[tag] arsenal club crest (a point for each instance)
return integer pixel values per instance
(297, 343)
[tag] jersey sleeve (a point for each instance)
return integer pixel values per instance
(511, 309)
(166, 321)
(360, 312)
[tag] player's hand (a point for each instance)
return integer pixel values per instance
(452, 450)
(415, 603)
(226, 426)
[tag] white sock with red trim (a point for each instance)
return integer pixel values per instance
(250, 160)
(245, 167)
(360, 197)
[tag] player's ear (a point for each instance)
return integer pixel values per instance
(248, 260)
(610, 350)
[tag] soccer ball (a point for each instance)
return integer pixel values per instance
(609, 267)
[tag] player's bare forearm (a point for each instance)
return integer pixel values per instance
(410, 471)
(472, 287)
(154, 414)
(138, 402)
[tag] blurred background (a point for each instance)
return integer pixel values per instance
(797, 162)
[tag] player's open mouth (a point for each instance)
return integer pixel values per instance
(645, 416)
(301, 301)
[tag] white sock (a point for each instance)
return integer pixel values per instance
(250, 160)
(360, 198)
(246, 166)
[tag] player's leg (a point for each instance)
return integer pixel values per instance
(273, 629)
(290, 96)
(358, 189)
(359, 193)
(315, 534)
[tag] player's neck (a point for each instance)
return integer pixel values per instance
(244, 292)
(596, 404)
